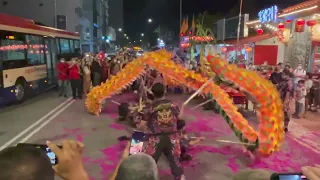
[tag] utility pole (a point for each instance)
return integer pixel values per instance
(239, 26)
(55, 13)
(180, 13)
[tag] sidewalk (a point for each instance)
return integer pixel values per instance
(306, 130)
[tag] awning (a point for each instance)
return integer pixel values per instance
(248, 40)
(302, 5)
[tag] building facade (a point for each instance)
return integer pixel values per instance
(46, 12)
(289, 35)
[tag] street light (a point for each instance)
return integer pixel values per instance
(129, 42)
(140, 40)
(142, 34)
(134, 41)
(125, 35)
(120, 29)
(149, 20)
(158, 39)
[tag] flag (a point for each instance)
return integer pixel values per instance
(186, 26)
(182, 26)
(193, 26)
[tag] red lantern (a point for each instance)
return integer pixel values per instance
(300, 25)
(224, 49)
(101, 55)
(280, 25)
(259, 31)
(288, 21)
(311, 23)
(301, 22)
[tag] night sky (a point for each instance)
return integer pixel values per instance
(166, 12)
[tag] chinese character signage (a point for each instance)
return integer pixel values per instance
(269, 14)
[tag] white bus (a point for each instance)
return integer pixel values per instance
(28, 56)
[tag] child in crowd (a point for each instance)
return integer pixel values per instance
(309, 84)
(300, 98)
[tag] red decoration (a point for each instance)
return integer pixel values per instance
(300, 25)
(301, 22)
(201, 38)
(280, 25)
(101, 55)
(311, 23)
(224, 49)
(288, 21)
(181, 34)
(259, 31)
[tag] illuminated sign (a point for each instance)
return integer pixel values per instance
(269, 14)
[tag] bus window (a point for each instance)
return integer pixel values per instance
(76, 44)
(71, 46)
(36, 50)
(12, 50)
(64, 46)
(57, 41)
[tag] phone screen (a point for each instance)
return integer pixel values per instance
(292, 177)
(137, 140)
(53, 158)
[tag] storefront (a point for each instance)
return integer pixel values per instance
(293, 35)
(186, 42)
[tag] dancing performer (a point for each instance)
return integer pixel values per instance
(286, 93)
(164, 137)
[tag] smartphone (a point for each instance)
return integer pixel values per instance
(288, 176)
(137, 140)
(53, 158)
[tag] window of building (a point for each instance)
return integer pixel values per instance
(64, 46)
(36, 50)
(12, 46)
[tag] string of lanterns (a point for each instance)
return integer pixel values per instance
(283, 33)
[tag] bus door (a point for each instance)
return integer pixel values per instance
(1, 81)
(51, 60)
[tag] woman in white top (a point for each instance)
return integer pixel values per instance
(308, 84)
(299, 74)
(86, 65)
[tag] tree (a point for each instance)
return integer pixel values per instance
(207, 20)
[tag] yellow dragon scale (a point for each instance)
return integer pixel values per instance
(270, 133)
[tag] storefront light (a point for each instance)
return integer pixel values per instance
(298, 11)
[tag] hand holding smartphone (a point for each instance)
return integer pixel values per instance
(288, 176)
(51, 155)
(137, 140)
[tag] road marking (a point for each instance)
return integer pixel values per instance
(46, 122)
(33, 125)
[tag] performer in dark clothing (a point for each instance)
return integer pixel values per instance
(285, 89)
(164, 136)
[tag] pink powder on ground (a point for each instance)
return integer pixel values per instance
(117, 126)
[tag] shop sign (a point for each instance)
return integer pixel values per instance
(269, 14)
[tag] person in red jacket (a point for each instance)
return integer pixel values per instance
(75, 78)
(63, 79)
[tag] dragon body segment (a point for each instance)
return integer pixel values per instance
(270, 113)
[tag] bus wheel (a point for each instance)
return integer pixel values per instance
(20, 91)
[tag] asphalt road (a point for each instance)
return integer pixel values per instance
(47, 117)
